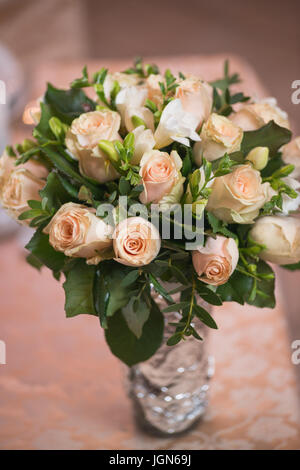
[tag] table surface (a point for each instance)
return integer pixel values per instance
(62, 388)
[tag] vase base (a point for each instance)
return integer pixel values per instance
(168, 411)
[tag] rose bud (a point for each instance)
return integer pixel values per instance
(216, 261)
(161, 177)
(259, 157)
(136, 242)
(196, 97)
(82, 139)
(281, 237)
(291, 155)
(238, 196)
(175, 125)
(255, 115)
(218, 136)
(76, 231)
(21, 186)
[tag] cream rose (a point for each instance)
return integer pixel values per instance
(255, 115)
(196, 97)
(291, 155)
(175, 125)
(161, 177)
(82, 139)
(77, 232)
(216, 261)
(218, 136)
(136, 242)
(20, 187)
(238, 196)
(281, 237)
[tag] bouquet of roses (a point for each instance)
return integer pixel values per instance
(135, 181)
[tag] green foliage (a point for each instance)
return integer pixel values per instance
(222, 98)
(271, 135)
(41, 249)
(126, 345)
(291, 267)
(79, 289)
(142, 70)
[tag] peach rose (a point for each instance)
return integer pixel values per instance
(76, 231)
(218, 136)
(281, 237)
(136, 242)
(291, 155)
(82, 139)
(255, 115)
(20, 187)
(161, 177)
(216, 261)
(196, 97)
(7, 165)
(238, 196)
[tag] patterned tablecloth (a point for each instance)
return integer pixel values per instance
(61, 387)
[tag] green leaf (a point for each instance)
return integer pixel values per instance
(207, 294)
(55, 192)
(159, 288)
(204, 316)
(136, 313)
(68, 104)
(176, 307)
(43, 126)
(111, 295)
(79, 289)
(291, 267)
(40, 247)
(271, 135)
(174, 339)
(264, 288)
(34, 262)
(130, 278)
(218, 226)
(126, 346)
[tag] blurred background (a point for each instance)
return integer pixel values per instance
(264, 33)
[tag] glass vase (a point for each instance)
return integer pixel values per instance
(169, 391)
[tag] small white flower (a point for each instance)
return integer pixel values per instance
(143, 142)
(130, 102)
(176, 125)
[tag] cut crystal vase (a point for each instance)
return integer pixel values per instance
(169, 391)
